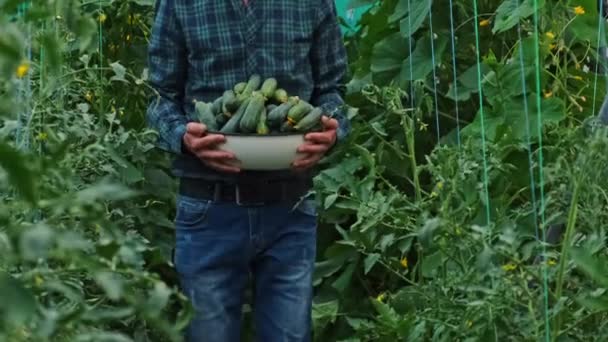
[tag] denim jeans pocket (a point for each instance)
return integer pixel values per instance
(191, 213)
(307, 206)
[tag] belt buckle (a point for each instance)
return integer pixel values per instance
(243, 198)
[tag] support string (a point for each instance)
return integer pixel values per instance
(481, 113)
(434, 70)
(540, 168)
(599, 49)
(409, 41)
(455, 82)
(531, 173)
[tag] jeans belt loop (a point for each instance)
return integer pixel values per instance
(239, 201)
(217, 192)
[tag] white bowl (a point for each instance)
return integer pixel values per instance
(263, 152)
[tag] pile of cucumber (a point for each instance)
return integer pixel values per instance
(256, 107)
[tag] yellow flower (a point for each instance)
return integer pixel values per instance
(102, 17)
(22, 69)
(42, 136)
(423, 126)
(551, 262)
(404, 262)
(552, 46)
(509, 267)
(381, 297)
(88, 96)
(484, 22)
(550, 35)
(579, 10)
(577, 77)
(548, 94)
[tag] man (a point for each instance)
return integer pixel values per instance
(233, 223)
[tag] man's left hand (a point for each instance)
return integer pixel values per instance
(317, 144)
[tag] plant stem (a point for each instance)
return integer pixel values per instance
(564, 255)
(408, 129)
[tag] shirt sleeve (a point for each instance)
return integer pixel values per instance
(167, 70)
(329, 65)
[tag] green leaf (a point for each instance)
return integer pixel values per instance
(158, 299)
(467, 83)
(85, 29)
(19, 175)
(52, 48)
(595, 268)
(421, 60)
(11, 47)
(104, 192)
(36, 242)
(401, 10)
(594, 303)
(17, 304)
(345, 278)
(419, 12)
(359, 3)
(370, 261)
(129, 173)
(102, 337)
(585, 27)
(388, 316)
(119, 72)
(109, 315)
(511, 12)
(430, 263)
(111, 283)
(324, 313)
(387, 58)
(330, 200)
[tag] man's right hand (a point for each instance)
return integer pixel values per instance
(204, 146)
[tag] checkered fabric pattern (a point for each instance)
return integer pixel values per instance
(199, 48)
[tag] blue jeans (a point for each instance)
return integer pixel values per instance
(220, 245)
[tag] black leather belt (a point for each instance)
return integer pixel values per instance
(245, 194)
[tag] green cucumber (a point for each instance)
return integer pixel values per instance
(268, 87)
(298, 111)
(252, 85)
(229, 102)
(270, 108)
(251, 116)
(239, 87)
(232, 125)
(286, 127)
(216, 106)
(278, 115)
(205, 116)
(280, 95)
(309, 121)
(262, 127)
(221, 119)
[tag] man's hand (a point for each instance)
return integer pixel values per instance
(204, 146)
(317, 144)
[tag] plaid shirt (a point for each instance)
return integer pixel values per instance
(200, 48)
